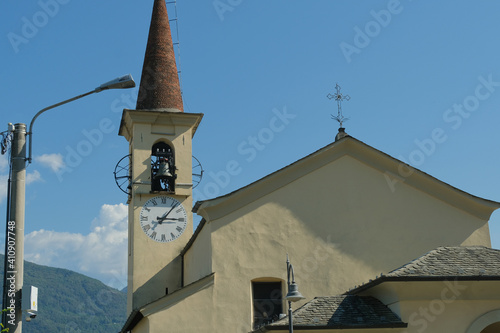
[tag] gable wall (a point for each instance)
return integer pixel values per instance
(341, 225)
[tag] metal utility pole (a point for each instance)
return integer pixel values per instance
(14, 236)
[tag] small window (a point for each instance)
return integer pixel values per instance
(267, 302)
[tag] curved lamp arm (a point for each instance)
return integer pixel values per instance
(289, 269)
(123, 82)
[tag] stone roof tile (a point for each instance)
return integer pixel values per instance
(342, 311)
(444, 263)
(457, 261)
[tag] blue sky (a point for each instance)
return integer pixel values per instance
(423, 77)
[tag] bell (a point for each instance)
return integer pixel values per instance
(294, 294)
(163, 170)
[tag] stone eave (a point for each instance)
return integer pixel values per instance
(156, 117)
(388, 279)
(133, 319)
(337, 327)
(391, 168)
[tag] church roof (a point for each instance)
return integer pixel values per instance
(465, 263)
(340, 312)
(457, 261)
(445, 263)
(159, 88)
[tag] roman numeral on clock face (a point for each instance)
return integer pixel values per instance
(163, 218)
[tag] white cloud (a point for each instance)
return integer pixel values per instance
(101, 254)
(4, 163)
(4, 168)
(4, 179)
(3, 187)
(33, 177)
(53, 161)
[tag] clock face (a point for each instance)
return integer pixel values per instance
(163, 219)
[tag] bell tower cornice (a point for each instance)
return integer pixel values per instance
(158, 119)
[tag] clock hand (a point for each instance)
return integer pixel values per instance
(164, 216)
(155, 224)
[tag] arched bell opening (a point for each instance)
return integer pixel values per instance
(162, 168)
(493, 328)
(487, 323)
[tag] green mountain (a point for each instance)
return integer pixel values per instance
(72, 302)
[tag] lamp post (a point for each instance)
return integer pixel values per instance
(14, 235)
(293, 294)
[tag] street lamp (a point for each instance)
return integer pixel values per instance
(14, 235)
(123, 82)
(293, 294)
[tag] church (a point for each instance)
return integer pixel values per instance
(376, 245)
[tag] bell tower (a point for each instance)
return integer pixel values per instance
(159, 133)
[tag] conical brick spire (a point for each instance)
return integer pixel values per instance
(159, 88)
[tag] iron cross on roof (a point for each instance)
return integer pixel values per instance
(339, 97)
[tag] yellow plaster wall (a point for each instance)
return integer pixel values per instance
(339, 220)
(433, 316)
(198, 259)
(341, 225)
(439, 306)
(444, 318)
(191, 314)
